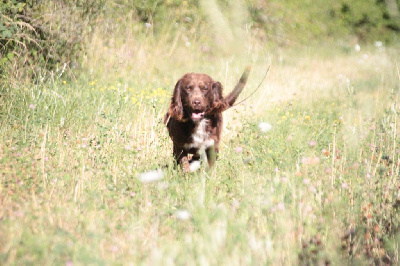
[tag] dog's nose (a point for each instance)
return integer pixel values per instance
(196, 102)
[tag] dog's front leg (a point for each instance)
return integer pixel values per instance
(182, 159)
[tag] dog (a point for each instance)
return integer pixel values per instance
(194, 118)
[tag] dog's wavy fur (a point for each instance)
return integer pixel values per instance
(194, 117)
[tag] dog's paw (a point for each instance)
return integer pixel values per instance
(194, 166)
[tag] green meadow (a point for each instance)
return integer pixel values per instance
(308, 171)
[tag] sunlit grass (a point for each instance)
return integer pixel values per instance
(307, 173)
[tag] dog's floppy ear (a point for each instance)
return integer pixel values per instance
(218, 104)
(176, 107)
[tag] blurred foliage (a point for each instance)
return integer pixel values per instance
(41, 37)
(365, 19)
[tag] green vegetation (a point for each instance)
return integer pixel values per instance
(40, 37)
(309, 166)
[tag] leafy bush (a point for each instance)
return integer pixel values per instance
(365, 19)
(39, 37)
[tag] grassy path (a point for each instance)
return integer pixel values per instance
(308, 170)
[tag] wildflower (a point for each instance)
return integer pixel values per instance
(326, 152)
(310, 160)
(264, 126)
(238, 149)
(64, 82)
(183, 214)
(312, 143)
(344, 185)
(151, 176)
(306, 181)
(305, 160)
(307, 117)
(328, 170)
(377, 229)
(147, 25)
(284, 179)
(378, 44)
(32, 106)
(128, 147)
(315, 160)
(113, 248)
(281, 206)
(357, 47)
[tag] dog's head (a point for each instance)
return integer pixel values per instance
(194, 96)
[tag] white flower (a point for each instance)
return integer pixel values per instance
(378, 44)
(183, 215)
(281, 206)
(151, 176)
(357, 47)
(264, 126)
(194, 166)
(128, 147)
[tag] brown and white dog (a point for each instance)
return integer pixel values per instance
(194, 118)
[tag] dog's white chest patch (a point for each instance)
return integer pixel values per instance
(200, 138)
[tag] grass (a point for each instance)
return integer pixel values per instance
(320, 186)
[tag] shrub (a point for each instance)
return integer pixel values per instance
(40, 37)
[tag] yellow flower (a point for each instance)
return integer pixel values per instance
(307, 117)
(64, 82)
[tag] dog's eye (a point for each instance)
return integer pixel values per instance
(204, 88)
(189, 88)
